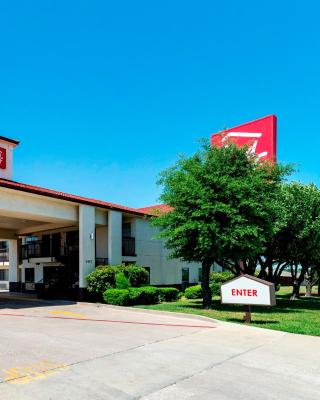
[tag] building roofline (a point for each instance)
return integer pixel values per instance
(13, 141)
(69, 197)
(156, 209)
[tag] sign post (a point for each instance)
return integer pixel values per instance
(247, 314)
(248, 290)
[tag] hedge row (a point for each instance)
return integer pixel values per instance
(169, 294)
(105, 277)
(139, 295)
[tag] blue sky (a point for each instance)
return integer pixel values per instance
(104, 94)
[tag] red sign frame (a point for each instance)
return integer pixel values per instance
(260, 135)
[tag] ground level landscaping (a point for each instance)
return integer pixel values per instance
(296, 316)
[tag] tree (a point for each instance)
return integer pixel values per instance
(296, 241)
(278, 253)
(222, 208)
(303, 228)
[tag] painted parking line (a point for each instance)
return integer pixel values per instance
(42, 369)
(110, 321)
(68, 313)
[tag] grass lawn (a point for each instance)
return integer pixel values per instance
(297, 316)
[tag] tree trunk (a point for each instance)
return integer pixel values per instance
(308, 280)
(206, 291)
(295, 290)
(296, 285)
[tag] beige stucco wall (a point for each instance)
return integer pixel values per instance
(152, 253)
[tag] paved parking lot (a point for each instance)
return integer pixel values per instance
(61, 350)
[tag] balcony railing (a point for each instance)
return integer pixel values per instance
(128, 246)
(39, 248)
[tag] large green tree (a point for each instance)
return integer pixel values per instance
(302, 231)
(223, 207)
(295, 244)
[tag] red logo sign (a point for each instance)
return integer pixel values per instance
(3, 158)
(260, 135)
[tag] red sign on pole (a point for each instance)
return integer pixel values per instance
(260, 135)
(3, 158)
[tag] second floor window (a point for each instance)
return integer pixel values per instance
(126, 229)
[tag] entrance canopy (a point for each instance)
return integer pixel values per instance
(23, 213)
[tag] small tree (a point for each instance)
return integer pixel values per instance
(222, 208)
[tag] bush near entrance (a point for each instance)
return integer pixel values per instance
(127, 285)
(125, 297)
(140, 295)
(104, 277)
(117, 297)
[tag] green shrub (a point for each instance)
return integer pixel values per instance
(138, 276)
(101, 279)
(215, 288)
(135, 295)
(117, 297)
(169, 294)
(145, 295)
(217, 279)
(221, 277)
(127, 297)
(104, 277)
(122, 282)
(193, 292)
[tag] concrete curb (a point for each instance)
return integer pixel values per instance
(195, 317)
(165, 313)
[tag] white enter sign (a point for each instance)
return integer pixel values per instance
(249, 290)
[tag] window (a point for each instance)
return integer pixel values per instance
(200, 274)
(185, 275)
(126, 229)
(4, 275)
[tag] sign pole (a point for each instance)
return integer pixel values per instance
(247, 314)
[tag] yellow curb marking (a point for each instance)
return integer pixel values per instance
(32, 372)
(68, 313)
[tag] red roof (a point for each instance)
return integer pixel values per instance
(16, 142)
(156, 209)
(71, 197)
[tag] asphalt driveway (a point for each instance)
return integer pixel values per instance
(65, 350)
